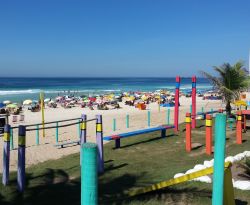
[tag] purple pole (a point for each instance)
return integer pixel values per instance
(83, 138)
(6, 154)
(99, 140)
(21, 158)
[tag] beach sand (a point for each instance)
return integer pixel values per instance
(138, 120)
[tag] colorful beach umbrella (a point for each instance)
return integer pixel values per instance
(11, 106)
(6, 102)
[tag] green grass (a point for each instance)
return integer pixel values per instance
(142, 160)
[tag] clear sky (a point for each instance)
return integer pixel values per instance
(121, 37)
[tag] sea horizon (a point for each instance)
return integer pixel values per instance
(18, 89)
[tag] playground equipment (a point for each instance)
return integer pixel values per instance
(176, 110)
(193, 102)
(137, 132)
(223, 192)
(22, 130)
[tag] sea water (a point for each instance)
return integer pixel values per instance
(19, 89)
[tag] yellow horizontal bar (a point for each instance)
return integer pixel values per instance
(208, 123)
(188, 119)
(177, 180)
(83, 126)
(99, 127)
(239, 118)
(6, 137)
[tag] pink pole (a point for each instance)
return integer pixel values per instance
(176, 108)
(193, 102)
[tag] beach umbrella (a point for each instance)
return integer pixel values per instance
(47, 100)
(2, 105)
(11, 106)
(6, 102)
(27, 102)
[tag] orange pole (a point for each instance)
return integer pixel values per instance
(188, 132)
(209, 132)
(239, 128)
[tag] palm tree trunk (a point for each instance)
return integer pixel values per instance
(228, 108)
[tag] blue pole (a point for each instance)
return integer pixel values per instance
(219, 157)
(148, 118)
(57, 133)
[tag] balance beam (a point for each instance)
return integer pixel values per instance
(117, 137)
(67, 143)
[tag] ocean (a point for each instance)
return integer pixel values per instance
(19, 89)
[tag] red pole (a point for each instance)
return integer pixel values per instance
(193, 102)
(188, 132)
(209, 134)
(176, 109)
(239, 128)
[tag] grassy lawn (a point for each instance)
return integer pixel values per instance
(141, 161)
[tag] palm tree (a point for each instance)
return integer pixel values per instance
(232, 80)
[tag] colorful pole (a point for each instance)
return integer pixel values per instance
(89, 178)
(188, 132)
(99, 140)
(6, 154)
(127, 121)
(191, 108)
(21, 158)
(11, 139)
(114, 124)
(168, 117)
(219, 155)
(176, 110)
(37, 135)
(42, 108)
(57, 133)
(202, 109)
(83, 137)
(239, 128)
(209, 134)
(193, 102)
(148, 118)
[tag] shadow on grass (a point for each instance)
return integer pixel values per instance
(145, 141)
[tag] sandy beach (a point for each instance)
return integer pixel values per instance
(138, 120)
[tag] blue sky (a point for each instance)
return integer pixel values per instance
(106, 38)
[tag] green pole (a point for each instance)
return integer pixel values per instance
(219, 157)
(149, 118)
(57, 133)
(79, 128)
(89, 179)
(114, 124)
(168, 116)
(202, 109)
(127, 121)
(37, 135)
(11, 139)
(191, 108)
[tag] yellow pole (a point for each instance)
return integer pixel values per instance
(42, 108)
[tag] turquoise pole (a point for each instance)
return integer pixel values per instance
(57, 133)
(79, 128)
(37, 135)
(219, 157)
(149, 118)
(168, 116)
(11, 139)
(191, 108)
(127, 121)
(202, 109)
(114, 124)
(89, 179)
